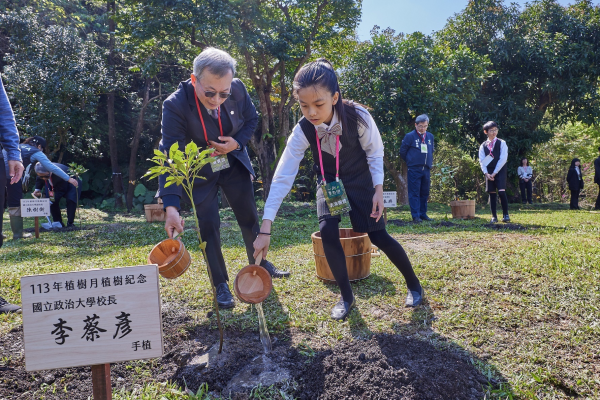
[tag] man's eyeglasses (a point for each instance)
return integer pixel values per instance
(211, 94)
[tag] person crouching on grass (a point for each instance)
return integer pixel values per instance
(345, 141)
(493, 154)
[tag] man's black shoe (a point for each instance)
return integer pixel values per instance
(341, 310)
(224, 296)
(275, 273)
(494, 220)
(426, 218)
(506, 218)
(6, 307)
(417, 220)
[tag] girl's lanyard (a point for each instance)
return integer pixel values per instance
(221, 162)
(337, 158)
(334, 193)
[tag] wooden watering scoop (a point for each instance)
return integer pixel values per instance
(253, 283)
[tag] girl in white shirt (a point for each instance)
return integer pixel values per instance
(347, 146)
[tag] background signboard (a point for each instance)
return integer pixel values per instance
(389, 199)
(35, 207)
(91, 317)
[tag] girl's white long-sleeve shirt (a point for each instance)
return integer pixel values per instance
(297, 144)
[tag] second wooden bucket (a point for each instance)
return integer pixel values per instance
(172, 258)
(357, 248)
(463, 209)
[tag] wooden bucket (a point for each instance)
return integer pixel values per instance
(172, 258)
(463, 209)
(253, 284)
(154, 212)
(357, 248)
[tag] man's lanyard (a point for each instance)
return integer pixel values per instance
(202, 120)
(337, 157)
(491, 147)
(422, 137)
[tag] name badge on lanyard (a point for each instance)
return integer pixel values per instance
(221, 162)
(334, 192)
(423, 145)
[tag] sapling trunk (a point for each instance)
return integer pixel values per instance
(212, 284)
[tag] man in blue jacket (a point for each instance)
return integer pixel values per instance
(214, 109)
(9, 141)
(417, 150)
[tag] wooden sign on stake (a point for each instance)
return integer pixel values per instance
(35, 208)
(93, 317)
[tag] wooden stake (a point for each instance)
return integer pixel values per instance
(37, 228)
(101, 382)
(385, 215)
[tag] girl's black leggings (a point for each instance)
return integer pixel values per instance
(330, 235)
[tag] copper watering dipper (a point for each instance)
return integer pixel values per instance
(253, 285)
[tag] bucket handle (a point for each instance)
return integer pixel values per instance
(258, 259)
(182, 232)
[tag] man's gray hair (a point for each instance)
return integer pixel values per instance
(422, 118)
(217, 61)
(40, 169)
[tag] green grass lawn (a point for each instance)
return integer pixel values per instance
(523, 303)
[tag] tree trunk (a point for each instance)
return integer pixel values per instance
(117, 178)
(135, 144)
(400, 179)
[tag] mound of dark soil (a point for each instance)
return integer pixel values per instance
(390, 367)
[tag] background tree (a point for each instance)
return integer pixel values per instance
(55, 79)
(409, 75)
(545, 66)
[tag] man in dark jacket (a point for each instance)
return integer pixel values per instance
(597, 179)
(213, 109)
(417, 150)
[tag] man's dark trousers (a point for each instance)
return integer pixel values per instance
(419, 181)
(238, 189)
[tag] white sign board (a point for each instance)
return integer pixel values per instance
(35, 207)
(91, 317)
(389, 199)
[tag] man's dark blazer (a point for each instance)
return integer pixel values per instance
(597, 170)
(181, 123)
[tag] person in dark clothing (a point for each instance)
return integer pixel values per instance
(417, 150)
(525, 173)
(345, 142)
(597, 179)
(493, 154)
(575, 182)
(55, 188)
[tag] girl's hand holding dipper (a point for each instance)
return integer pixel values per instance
(263, 240)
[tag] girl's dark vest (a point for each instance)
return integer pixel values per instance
(26, 152)
(496, 153)
(354, 170)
